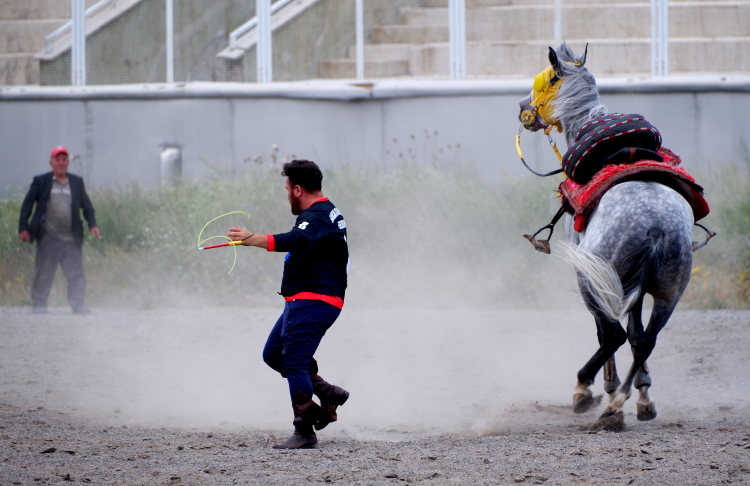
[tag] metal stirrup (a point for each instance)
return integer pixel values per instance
(543, 245)
(709, 234)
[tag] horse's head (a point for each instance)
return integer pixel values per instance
(564, 95)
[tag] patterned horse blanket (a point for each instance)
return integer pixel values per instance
(583, 198)
(608, 140)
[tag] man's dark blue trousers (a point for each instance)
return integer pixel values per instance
(294, 340)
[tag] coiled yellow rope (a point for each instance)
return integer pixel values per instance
(200, 242)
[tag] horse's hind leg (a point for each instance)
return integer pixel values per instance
(645, 405)
(611, 380)
(611, 337)
(642, 344)
(642, 381)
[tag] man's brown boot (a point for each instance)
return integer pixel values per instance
(306, 415)
(330, 396)
(302, 438)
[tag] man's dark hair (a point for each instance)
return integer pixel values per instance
(303, 173)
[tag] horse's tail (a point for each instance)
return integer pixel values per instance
(611, 295)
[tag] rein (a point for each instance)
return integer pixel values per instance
(540, 104)
(551, 142)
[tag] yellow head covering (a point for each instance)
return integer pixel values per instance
(546, 85)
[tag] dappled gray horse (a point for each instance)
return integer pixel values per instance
(637, 242)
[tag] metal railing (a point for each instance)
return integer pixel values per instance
(263, 21)
(78, 43)
(253, 22)
(68, 25)
(170, 41)
(659, 38)
(360, 38)
(272, 16)
(457, 36)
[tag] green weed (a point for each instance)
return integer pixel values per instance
(420, 234)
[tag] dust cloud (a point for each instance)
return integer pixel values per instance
(409, 371)
(452, 323)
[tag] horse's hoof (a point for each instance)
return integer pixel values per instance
(583, 402)
(646, 412)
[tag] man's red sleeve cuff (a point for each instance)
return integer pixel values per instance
(271, 243)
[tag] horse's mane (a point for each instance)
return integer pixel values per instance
(578, 99)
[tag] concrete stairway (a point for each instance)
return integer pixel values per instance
(509, 38)
(23, 26)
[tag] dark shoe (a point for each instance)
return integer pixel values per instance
(327, 393)
(298, 440)
(331, 396)
(306, 414)
(82, 310)
(309, 414)
(38, 309)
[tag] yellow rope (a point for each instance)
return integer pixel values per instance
(222, 236)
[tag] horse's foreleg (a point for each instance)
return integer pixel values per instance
(611, 380)
(642, 344)
(583, 398)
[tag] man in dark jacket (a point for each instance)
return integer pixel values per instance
(313, 285)
(57, 228)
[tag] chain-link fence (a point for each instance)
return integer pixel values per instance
(128, 41)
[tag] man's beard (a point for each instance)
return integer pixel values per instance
(296, 205)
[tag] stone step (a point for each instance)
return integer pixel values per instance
(26, 35)
(18, 69)
(389, 34)
(719, 19)
(495, 3)
(467, 3)
(384, 51)
(607, 57)
(376, 68)
(37, 9)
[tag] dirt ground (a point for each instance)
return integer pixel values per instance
(447, 396)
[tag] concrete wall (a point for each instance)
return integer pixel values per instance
(121, 130)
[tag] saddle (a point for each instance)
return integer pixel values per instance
(612, 149)
(583, 198)
(609, 140)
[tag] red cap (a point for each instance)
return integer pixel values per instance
(59, 150)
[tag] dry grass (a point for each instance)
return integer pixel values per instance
(419, 235)
(721, 270)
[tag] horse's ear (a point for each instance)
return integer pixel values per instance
(553, 59)
(582, 57)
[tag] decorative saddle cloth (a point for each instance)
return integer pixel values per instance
(584, 198)
(607, 140)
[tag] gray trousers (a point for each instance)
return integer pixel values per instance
(50, 252)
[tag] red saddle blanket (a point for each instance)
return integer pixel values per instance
(584, 198)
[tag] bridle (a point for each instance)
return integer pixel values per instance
(546, 84)
(551, 142)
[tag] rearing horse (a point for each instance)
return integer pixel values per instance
(636, 242)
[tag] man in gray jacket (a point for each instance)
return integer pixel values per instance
(57, 228)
